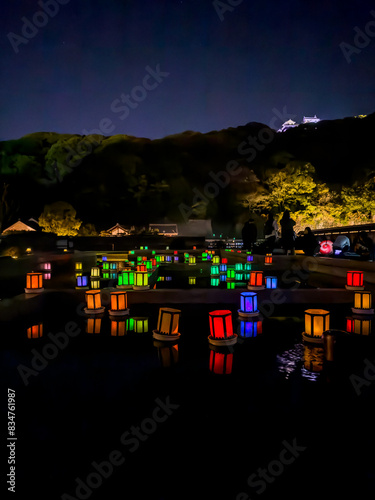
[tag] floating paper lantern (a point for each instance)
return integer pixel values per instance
(140, 325)
(221, 328)
(168, 322)
(231, 274)
(142, 268)
(255, 281)
(34, 283)
(363, 303)
(248, 304)
(268, 259)
(215, 270)
(250, 328)
(118, 328)
(78, 266)
(360, 326)
(354, 280)
(95, 283)
(35, 331)
(223, 268)
(224, 260)
(271, 282)
(204, 256)
(119, 304)
(192, 260)
(216, 259)
(93, 325)
(82, 282)
(215, 281)
(221, 363)
(94, 302)
(249, 258)
(148, 265)
(95, 272)
(141, 281)
(316, 322)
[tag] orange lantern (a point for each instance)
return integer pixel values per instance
(35, 331)
(167, 354)
(119, 304)
(168, 322)
(316, 322)
(94, 302)
(363, 303)
(360, 326)
(34, 283)
(255, 281)
(268, 259)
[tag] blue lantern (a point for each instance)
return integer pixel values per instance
(249, 304)
(271, 281)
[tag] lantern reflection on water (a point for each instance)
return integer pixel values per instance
(215, 281)
(167, 354)
(250, 328)
(255, 281)
(168, 322)
(238, 266)
(93, 325)
(94, 302)
(221, 328)
(35, 331)
(360, 326)
(231, 274)
(354, 280)
(313, 358)
(95, 283)
(34, 283)
(45, 266)
(363, 303)
(316, 322)
(78, 266)
(249, 305)
(140, 325)
(118, 328)
(231, 285)
(119, 304)
(221, 362)
(192, 280)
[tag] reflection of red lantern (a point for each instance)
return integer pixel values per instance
(255, 281)
(361, 326)
(35, 331)
(354, 280)
(221, 363)
(221, 328)
(326, 247)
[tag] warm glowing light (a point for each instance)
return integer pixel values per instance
(34, 282)
(192, 280)
(94, 300)
(95, 283)
(360, 326)
(326, 247)
(78, 266)
(119, 301)
(93, 325)
(168, 321)
(142, 268)
(192, 260)
(221, 363)
(35, 331)
(216, 259)
(268, 258)
(118, 328)
(95, 272)
(354, 279)
(363, 300)
(316, 322)
(167, 354)
(256, 279)
(221, 324)
(140, 325)
(141, 281)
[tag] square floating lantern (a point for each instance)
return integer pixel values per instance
(249, 258)
(221, 363)
(255, 281)
(95, 272)
(35, 331)
(93, 325)
(216, 259)
(119, 304)
(215, 281)
(34, 283)
(360, 326)
(250, 328)
(215, 270)
(118, 328)
(192, 260)
(141, 281)
(268, 259)
(316, 322)
(168, 322)
(363, 303)
(223, 267)
(271, 282)
(142, 268)
(82, 283)
(231, 274)
(354, 280)
(95, 283)
(221, 328)
(248, 305)
(94, 302)
(140, 325)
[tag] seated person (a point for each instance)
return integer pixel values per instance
(309, 242)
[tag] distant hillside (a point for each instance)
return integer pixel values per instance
(136, 180)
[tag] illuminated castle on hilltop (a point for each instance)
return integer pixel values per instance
(291, 124)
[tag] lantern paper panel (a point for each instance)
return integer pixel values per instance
(316, 322)
(231, 274)
(35, 331)
(192, 280)
(249, 302)
(168, 320)
(93, 299)
(34, 281)
(221, 363)
(221, 324)
(363, 300)
(354, 278)
(238, 266)
(119, 301)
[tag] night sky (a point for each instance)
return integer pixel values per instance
(217, 68)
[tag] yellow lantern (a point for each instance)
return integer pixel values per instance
(35, 331)
(118, 328)
(360, 326)
(94, 302)
(316, 322)
(95, 283)
(141, 281)
(93, 325)
(268, 259)
(313, 358)
(192, 280)
(34, 283)
(168, 322)
(78, 266)
(95, 272)
(192, 260)
(363, 303)
(119, 304)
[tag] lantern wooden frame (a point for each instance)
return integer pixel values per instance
(168, 323)
(312, 319)
(354, 280)
(34, 283)
(248, 305)
(221, 322)
(94, 302)
(363, 303)
(255, 281)
(119, 304)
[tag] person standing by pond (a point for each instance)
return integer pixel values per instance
(249, 234)
(287, 233)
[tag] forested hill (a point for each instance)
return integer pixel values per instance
(137, 180)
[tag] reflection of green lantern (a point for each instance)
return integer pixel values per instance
(130, 324)
(238, 266)
(204, 256)
(231, 285)
(215, 281)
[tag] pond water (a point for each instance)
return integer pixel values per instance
(230, 411)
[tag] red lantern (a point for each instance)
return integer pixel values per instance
(142, 268)
(268, 259)
(255, 280)
(35, 331)
(221, 328)
(354, 280)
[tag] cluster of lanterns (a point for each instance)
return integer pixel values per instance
(119, 303)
